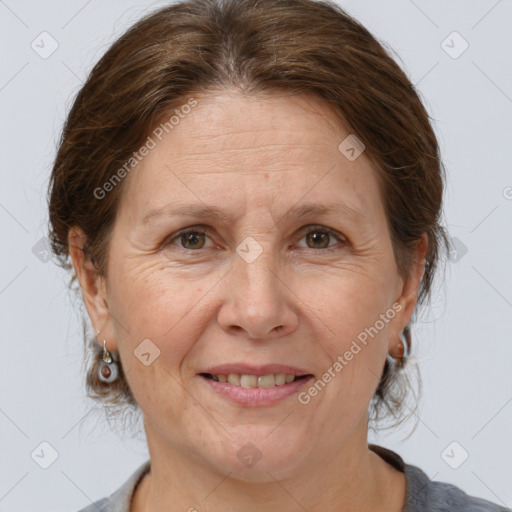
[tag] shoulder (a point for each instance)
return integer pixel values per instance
(98, 506)
(425, 495)
(120, 500)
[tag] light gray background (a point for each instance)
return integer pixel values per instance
(463, 345)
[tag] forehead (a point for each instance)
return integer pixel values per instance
(239, 150)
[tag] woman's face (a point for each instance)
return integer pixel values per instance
(275, 282)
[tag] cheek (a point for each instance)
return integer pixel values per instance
(150, 293)
(360, 318)
(357, 314)
(150, 305)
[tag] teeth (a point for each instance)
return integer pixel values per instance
(255, 381)
(234, 379)
(280, 379)
(266, 381)
(249, 381)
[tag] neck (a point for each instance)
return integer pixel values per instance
(352, 478)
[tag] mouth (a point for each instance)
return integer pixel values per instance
(255, 386)
(248, 381)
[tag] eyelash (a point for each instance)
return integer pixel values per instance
(303, 232)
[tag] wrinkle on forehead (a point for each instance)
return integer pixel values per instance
(261, 151)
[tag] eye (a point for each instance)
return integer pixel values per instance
(318, 237)
(192, 238)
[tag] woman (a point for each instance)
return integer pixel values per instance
(250, 194)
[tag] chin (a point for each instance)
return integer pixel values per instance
(262, 460)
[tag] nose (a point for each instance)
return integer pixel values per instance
(259, 302)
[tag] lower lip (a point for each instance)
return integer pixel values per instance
(256, 397)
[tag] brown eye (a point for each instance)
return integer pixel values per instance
(318, 238)
(192, 240)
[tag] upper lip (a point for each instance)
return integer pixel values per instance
(247, 369)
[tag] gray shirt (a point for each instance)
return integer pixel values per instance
(422, 494)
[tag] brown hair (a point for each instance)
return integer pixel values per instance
(255, 46)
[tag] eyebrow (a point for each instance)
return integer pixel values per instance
(212, 212)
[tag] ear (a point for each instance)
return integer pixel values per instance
(94, 289)
(407, 293)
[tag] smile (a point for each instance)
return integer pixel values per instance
(255, 381)
(255, 390)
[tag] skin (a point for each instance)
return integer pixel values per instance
(298, 303)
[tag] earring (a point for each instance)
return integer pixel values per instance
(107, 369)
(405, 339)
(404, 346)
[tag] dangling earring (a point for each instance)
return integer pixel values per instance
(404, 346)
(405, 342)
(107, 369)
